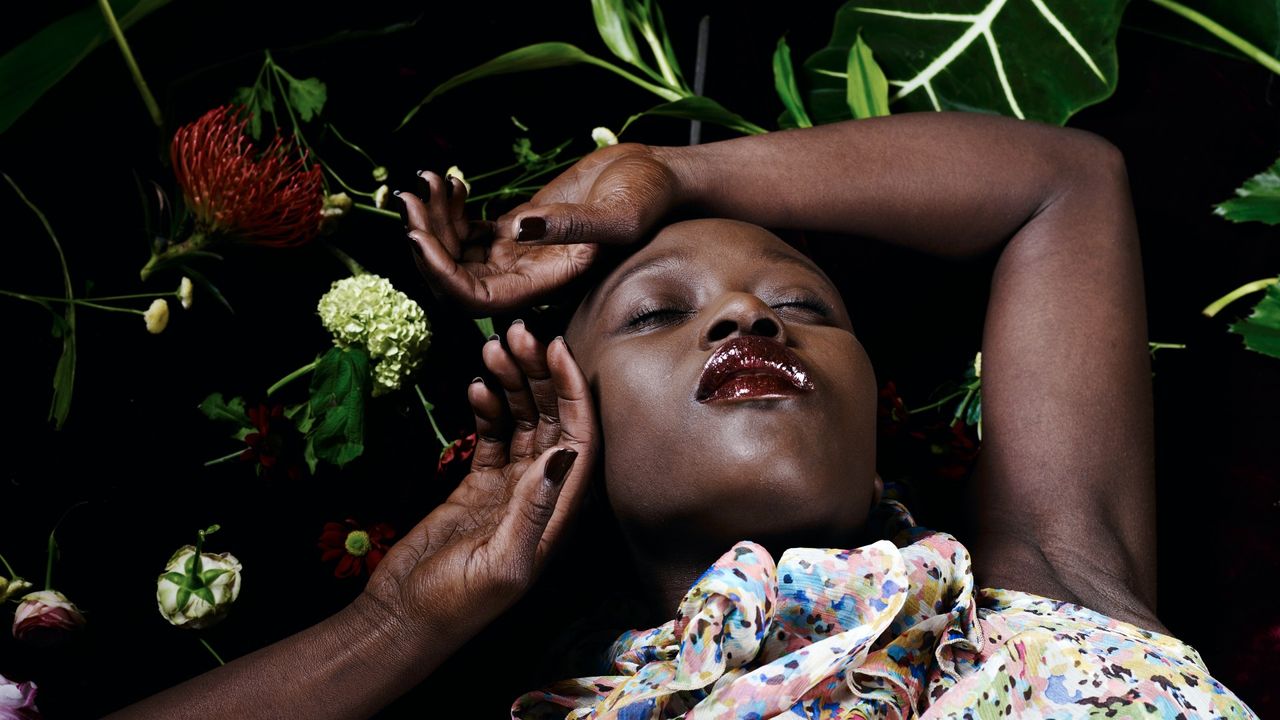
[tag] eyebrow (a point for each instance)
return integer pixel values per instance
(672, 259)
(779, 255)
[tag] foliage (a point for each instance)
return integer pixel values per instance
(1261, 330)
(1257, 200)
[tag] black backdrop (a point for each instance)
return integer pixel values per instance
(1191, 124)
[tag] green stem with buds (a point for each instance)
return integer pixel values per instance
(152, 107)
(376, 210)
(194, 243)
(355, 267)
(224, 458)
(1247, 289)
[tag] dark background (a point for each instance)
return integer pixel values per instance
(1192, 125)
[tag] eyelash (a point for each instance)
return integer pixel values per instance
(648, 316)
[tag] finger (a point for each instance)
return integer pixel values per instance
(570, 223)
(531, 356)
(577, 427)
(491, 426)
(415, 211)
(444, 274)
(524, 413)
(438, 206)
(458, 207)
(522, 537)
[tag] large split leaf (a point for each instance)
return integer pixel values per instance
(1035, 59)
(1258, 200)
(1261, 330)
(38, 63)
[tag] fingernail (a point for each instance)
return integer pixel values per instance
(477, 379)
(424, 188)
(403, 210)
(517, 321)
(558, 466)
(531, 228)
(492, 337)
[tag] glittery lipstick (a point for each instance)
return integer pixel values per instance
(751, 367)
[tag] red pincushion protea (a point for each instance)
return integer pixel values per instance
(269, 199)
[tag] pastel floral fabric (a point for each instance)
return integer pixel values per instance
(883, 631)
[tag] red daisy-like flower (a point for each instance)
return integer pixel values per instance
(359, 548)
(273, 198)
(458, 452)
(269, 446)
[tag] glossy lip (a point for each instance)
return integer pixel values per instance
(747, 356)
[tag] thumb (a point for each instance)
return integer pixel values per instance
(614, 223)
(532, 504)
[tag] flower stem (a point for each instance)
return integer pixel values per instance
(194, 243)
(937, 404)
(1252, 51)
(73, 301)
(53, 546)
(1216, 306)
(1154, 346)
(355, 267)
(293, 376)
(376, 210)
(8, 567)
(429, 407)
(147, 98)
(212, 652)
(224, 458)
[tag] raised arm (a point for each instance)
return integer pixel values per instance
(463, 565)
(1065, 481)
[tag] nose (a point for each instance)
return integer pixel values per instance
(741, 313)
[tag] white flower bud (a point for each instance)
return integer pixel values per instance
(604, 137)
(380, 196)
(380, 174)
(185, 291)
(157, 316)
(366, 310)
(191, 597)
(12, 587)
(455, 171)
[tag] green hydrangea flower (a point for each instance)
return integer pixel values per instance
(366, 310)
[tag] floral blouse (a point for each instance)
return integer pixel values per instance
(883, 631)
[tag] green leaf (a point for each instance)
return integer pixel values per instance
(866, 89)
(486, 326)
(204, 594)
(208, 576)
(699, 108)
(38, 63)
(1258, 200)
(218, 409)
(615, 29)
(183, 596)
(257, 102)
(784, 81)
(339, 387)
(1261, 330)
(176, 578)
(309, 454)
(1258, 23)
(199, 279)
(307, 96)
(300, 414)
(534, 57)
(1036, 59)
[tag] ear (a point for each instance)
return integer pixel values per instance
(878, 492)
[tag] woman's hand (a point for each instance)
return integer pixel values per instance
(614, 195)
(478, 552)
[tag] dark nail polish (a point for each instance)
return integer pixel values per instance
(492, 337)
(403, 210)
(558, 466)
(531, 228)
(424, 188)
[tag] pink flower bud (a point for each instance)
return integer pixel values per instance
(17, 700)
(45, 618)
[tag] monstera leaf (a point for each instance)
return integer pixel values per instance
(1034, 59)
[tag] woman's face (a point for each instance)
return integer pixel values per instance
(735, 401)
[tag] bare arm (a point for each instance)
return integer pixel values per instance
(1065, 482)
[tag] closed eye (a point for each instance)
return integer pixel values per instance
(805, 307)
(650, 317)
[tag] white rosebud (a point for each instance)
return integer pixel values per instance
(197, 597)
(977, 364)
(455, 171)
(367, 310)
(380, 174)
(380, 196)
(12, 587)
(157, 316)
(46, 618)
(604, 137)
(185, 291)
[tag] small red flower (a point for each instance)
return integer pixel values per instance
(270, 199)
(269, 446)
(359, 548)
(459, 451)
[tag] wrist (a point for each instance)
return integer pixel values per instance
(688, 173)
(410, 640)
